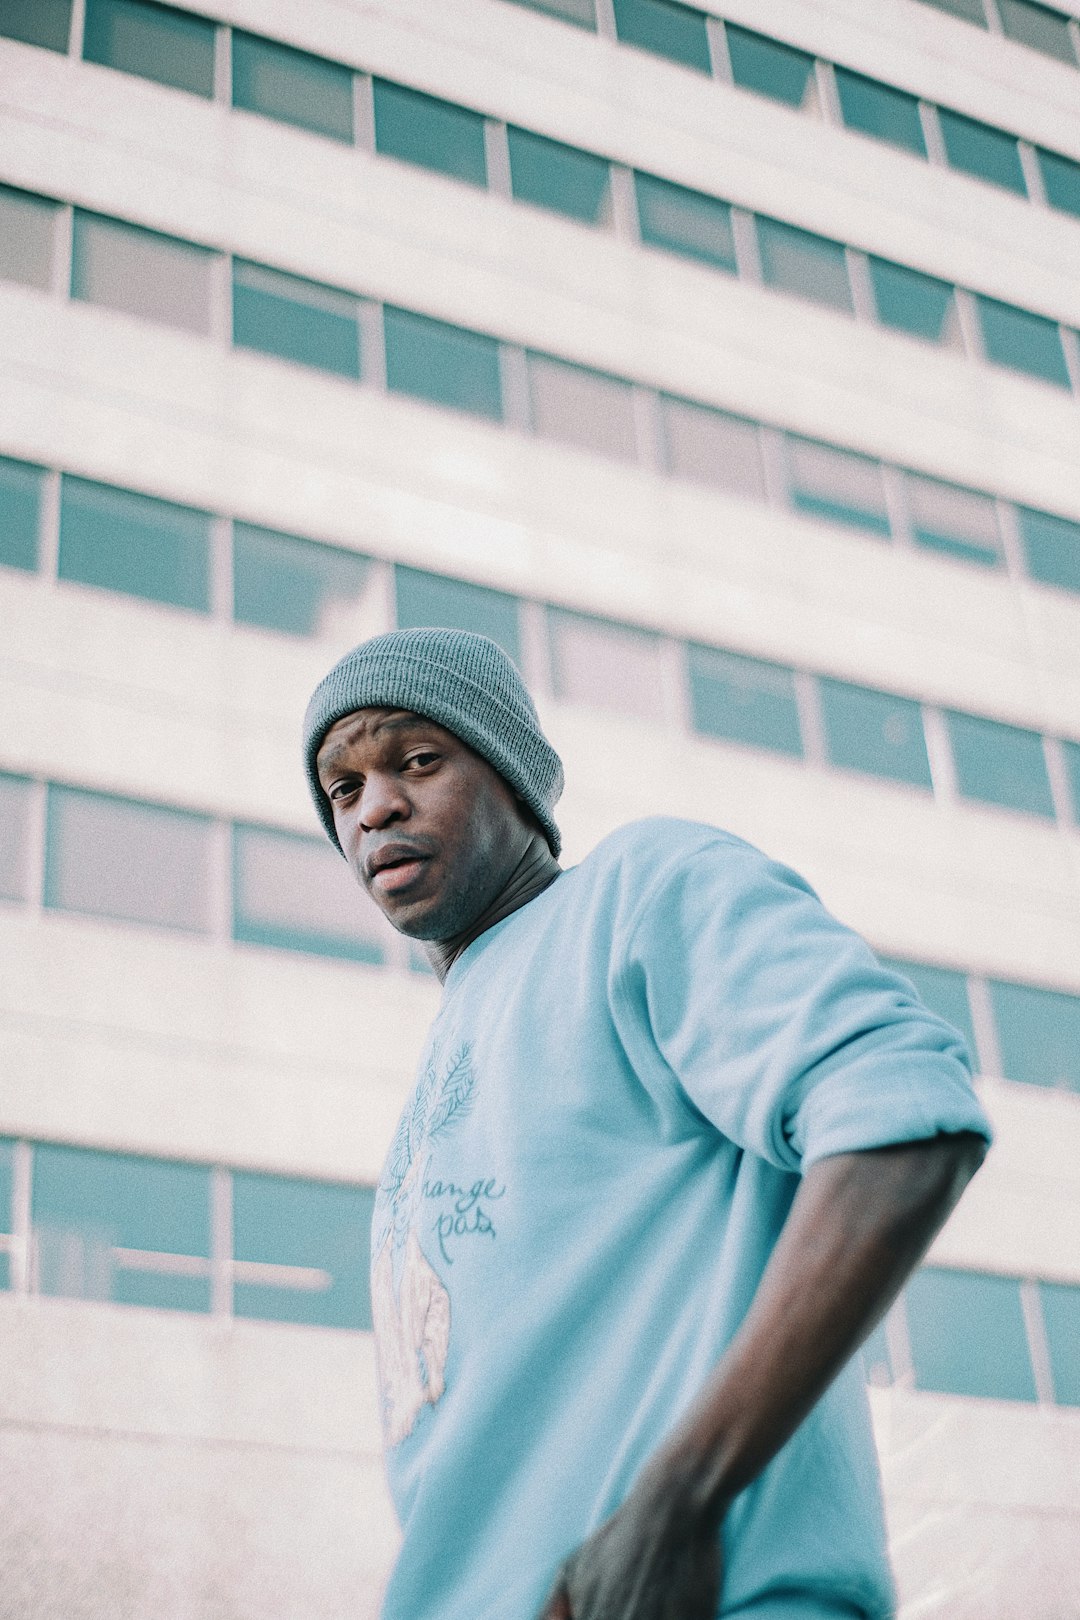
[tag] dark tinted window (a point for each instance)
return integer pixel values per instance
(969, 10)
(142, 272)
(581, 12)
(455, 604)
(297, 320)
(1061, 179)
(668, 30)
(1014, 337)
(303, 589)
(153, 41)
(559, 177)
(878, 109)
(297, 894)
(957, 521)
(943, 990)
(683, 221)
(743, 699)
(836, 484)
(912, 302)
(127, 542)
(445, 364)
(302, 1250)
(1000, 764)
(1071, 753)
(37, 22)
(27, 234)
(1061, 1316)
(291, 85)
(16, 810)
(799, 262)
(874, 732)
(435, 134)
(1038, 1034)
(770, 68)
(20, 506)
(968, 1336)
(1044, 30)
(1051, 548)
(712, 447)
(980, 150)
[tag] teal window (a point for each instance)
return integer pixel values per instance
(879, 110)
(1061, 1318)
(602, 665)
(959, 522)
(1051, 548)
(456, 604)
(142, 273)
(911, 302)
(574, 405)
(37, 22)
(301, 1250)
(112, 857)
(837, 485)
(16, 811)
(743, 700)
(1061, 181)
(668, 30)
(798, 262)
(684, 221)
(970, 10)
(125, 542)
(27, 237)
(432, 133)
(7, 1211)
(943, 990)
(876, 1360)
(551, 175)
(20, 509)
(1071, 754)
(296, 320)
(874, 732)
(1000, 764)
(968, 1336)
(109, 1226)
(581, 12)
(445, 364)
(1044, 30)
(1038, 1034)
(978, 149)
(296, 586)
(152, 41)
(295, 893)
(291, 85)
(712, 447)
(772, 69)
(1025, 342)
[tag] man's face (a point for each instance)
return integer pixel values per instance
(430, 829)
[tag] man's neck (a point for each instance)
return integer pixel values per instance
(535, 872)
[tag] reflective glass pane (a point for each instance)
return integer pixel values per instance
(153, 41)
(877, 1363)
(435, 134)
(605, 665)
(37, 22)
(576, 406)
(712, 447)
(442, 363)
(879, 110)
(297, 320)
(296, 893)
(980, 150)
(114, 1227)
(1061, 1317)
(1014, 337)
(1044, 30)
(1071, 754)
(291, 85)
(7, 1214)
(969, 10)
(302, 1250)
(121, 541)
(743, 699)
(27, 235)
(142, 273)
(297, 586)
(968, 1336)
(798, 262)
(943, 990)
(1051, 548)
(836, 484)
(957, 521)
(20, 507)
(999, 764)
(683, 221)
(581, 12)
(16, 811)
(1038, 1034)
(874, 732)
(770, 68)
(911, 302)
(559, 177)
(119, 858)
(668, 30)
(456, 604)
(1061, 181)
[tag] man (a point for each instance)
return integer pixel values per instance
(677, 1141)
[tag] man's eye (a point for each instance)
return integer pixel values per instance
(424, 757)
(341, 790)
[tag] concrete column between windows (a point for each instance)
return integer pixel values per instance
(675, 692)
(220, 881)
(968, 317)
(774, 461)
(497, 155)
(939, 753)
(363, 112)
(1070, 343)
(223, 65)
(372, 345)
(514, 376)
(719, 58)
(862, 292)
(993, 21)
(535, 648)
(37, 836)
(624, 214)
(221, 298)
(747, 257)
(896, 505)
(811, 718)
(49, 527)
(647, 428)
(898, 1339)
(931, 128)
(63, 243)
(1011, 543)
(1057, 771)
(78, 27)
(605, 19)
(221, 569)
(988, 1055)
(1033, 179)
(19, 1255)
(828, 97)
(1038, 1348)
(221, 1243)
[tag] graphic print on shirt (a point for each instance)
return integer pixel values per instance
(410, 1306)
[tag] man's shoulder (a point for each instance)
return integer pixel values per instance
(655, 844)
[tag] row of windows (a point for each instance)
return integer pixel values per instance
(140, 546)
(278, 81)
(156, 277)
(109, 1226)
(82, 1224)
(1042, 27)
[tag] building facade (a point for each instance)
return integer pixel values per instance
(723, 364)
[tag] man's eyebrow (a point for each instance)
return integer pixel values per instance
(401, 722)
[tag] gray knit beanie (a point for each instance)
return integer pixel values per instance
(463, 682)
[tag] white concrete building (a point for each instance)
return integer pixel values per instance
(722, 363)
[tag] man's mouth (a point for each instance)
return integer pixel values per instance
(394, 867)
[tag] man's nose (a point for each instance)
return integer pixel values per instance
(382, 801)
